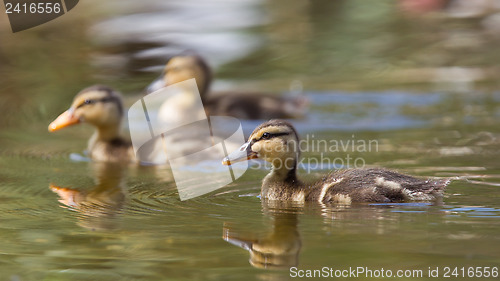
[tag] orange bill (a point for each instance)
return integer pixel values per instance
(66, 119)
(69, 197)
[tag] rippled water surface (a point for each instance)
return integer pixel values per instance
(424, 87)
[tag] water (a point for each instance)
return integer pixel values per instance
(429, 99)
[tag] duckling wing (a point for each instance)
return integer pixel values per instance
(376, 185)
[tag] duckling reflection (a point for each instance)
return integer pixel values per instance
(100, 205)
(278, 250)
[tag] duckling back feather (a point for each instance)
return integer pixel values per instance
(374, 185)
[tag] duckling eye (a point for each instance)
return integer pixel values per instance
(88, 101)
(266, 136)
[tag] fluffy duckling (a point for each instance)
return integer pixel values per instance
(101, 107)
(241, 105)
(276, 141)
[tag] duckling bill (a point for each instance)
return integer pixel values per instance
(276, 141)
(101, 107)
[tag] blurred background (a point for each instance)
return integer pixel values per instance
(422, 77)
(414, 46)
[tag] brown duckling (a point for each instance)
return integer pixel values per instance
(276, 141)
(240, 105)
(101, 107)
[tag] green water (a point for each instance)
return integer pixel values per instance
(370, 74)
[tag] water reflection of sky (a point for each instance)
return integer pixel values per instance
(451, 211)
(391, 110)
(213, 29)
(474, 212)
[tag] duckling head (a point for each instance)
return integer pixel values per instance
(275, 141)
(97, 105)
(181, 68)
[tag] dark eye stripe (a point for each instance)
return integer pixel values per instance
(270, 136)
(92, 101)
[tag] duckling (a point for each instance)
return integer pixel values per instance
(240, 105)
(276, 141)
(101, 107)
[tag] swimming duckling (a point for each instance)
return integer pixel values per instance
(276, 141)
(101, 107)
(240, 105)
